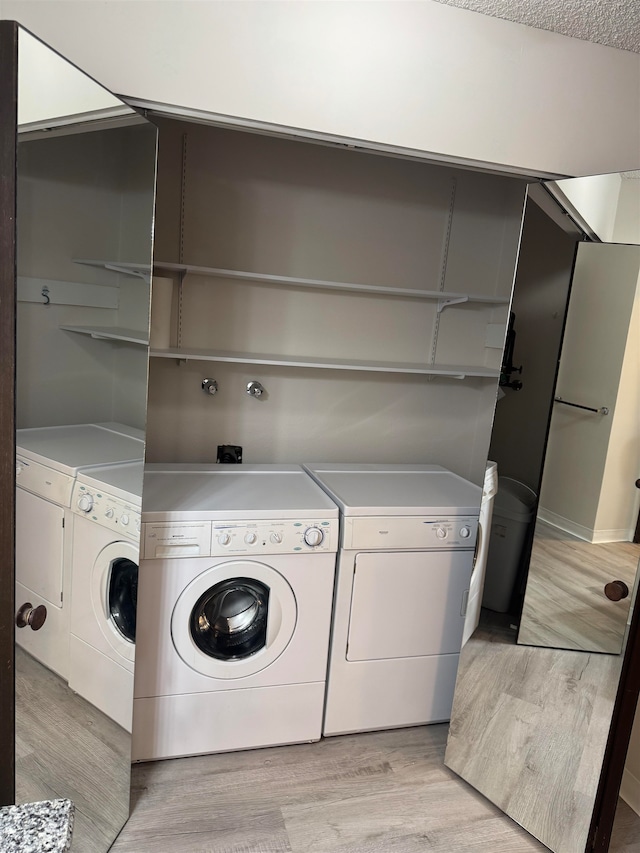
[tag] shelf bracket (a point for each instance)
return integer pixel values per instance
(124, 271)
(433, 376)
(444, 303)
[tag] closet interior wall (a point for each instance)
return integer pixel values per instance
(72, 191)
(233, 200)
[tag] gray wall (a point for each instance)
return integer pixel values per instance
(275, 206)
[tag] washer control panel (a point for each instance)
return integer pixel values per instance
(219, 538)
(107, 510)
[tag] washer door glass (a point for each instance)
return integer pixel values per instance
(122, 597)
(229, 622)
(234, 619)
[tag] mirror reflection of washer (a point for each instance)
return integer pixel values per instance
(48, 461)
(236, 592)
(104, 587)
(404, 566)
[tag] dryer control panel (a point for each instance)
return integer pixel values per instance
(408, 533)
(217, 539)
(40, 480)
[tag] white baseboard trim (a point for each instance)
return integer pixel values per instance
(630, 790)
(565, 524)
(585, 533)
(601, 536)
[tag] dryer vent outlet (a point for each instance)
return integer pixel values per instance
(229, 454)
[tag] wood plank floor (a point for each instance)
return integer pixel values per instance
(626, 830)
(565, 606)
(67, 748)
(383, 792)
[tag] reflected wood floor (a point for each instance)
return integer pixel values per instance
(67, 748)
(529, 730)
(565, 606)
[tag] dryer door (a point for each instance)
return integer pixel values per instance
(408, 604)
(234, 619)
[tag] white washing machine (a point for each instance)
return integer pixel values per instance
(104, 587)
(403, 572)
(48, 460)
(234, 609)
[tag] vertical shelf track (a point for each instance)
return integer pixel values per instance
(443, 274)
(183, 199)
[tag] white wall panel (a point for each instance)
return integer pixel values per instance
(50, 88)
(420, 75)
(335, 415)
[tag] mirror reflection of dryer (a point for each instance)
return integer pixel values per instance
(104, 587)
(236, 592)
(48, 460)
(403, 577)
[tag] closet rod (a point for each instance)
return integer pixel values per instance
(603, 410)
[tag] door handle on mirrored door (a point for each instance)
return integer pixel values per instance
(616, 590)
(34, 617)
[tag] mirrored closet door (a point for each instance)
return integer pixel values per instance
(539, 694)
(85, 204)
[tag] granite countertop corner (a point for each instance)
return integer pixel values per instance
(44, 827)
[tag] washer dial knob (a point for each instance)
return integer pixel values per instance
(313, 536)
(224, 538)
(276, 537)
(124, 519)
(85, 503)
(465, 532)
(250, 538)
(110, 512)
(441, 533)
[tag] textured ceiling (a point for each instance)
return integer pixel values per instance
(612, 22)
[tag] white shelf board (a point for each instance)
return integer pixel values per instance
(318, 284)
(263, 278)
(110, 333)
(452, 370)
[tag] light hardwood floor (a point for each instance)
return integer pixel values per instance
(383, 792)
(67, 748)
(565, 606)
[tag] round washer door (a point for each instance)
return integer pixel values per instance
(234, 619)
(114, 596)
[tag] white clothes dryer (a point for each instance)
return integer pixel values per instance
(404, 566)
(234, 610)
(48, 460)
(104, 587)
